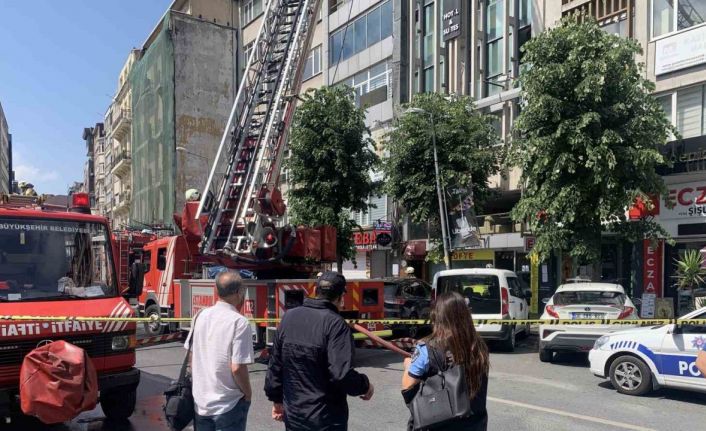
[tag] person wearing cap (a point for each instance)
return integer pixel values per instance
(311, 373)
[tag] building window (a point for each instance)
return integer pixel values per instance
(251, 10)
(494, 27)
(247, 51)
(334, 5)
(365, 31)
(686, 110)
(617, 25)
(313, 63)
(372, 85)
(428, 48)
(688, 14)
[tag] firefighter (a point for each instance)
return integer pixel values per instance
(311, 372)
(27, 189)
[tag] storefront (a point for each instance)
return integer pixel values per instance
(374, 258)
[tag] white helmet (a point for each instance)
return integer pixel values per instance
(192, 195)
(409, 270)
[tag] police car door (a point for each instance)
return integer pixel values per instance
(679, 349)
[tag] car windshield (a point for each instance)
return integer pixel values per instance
(54, 259)
(589, 297)
(481, 291)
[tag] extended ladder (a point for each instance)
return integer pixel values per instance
(241, 197)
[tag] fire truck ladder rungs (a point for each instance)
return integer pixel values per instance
(251, 149)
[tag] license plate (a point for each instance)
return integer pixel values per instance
(586, 315)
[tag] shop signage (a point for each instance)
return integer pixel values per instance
(652, 267)
(473, 255)
(383, 239)
(685, 49)
(529, 243)
(451, 20)
(380, 236)
(688, 201)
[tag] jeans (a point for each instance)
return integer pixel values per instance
(234, 420)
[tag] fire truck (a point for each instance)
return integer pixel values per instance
(239, 222)
(56, 261)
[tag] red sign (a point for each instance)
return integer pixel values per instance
(371, 239)
(652, 270)
(529, 243)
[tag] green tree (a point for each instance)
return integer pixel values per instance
(330, 164)
(587, 140)
(464, 140)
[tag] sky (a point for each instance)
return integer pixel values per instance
(59, 66)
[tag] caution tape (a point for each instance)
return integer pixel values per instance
(165, 320)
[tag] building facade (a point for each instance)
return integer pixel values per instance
(120, 142)
(182, 86)
(89, 166)
(5, 155)
(352, 45)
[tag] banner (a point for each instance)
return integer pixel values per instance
(463, 227)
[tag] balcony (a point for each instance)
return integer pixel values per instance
(121, 203)
(122, 123)
(121, 164)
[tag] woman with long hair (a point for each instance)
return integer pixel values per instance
(455, 339)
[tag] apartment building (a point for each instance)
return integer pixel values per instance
(470, 48)
(119, 141)
(99, 170)
(6, 176)
(671, 34)
(352, 45)
(88, 166)
(182, 86)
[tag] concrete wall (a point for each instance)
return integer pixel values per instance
(205, 87)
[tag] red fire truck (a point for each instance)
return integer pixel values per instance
(240, 220)
(59, 262)
(176, 282)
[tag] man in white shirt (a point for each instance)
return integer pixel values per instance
(221, 352)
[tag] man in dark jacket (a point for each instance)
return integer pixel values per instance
(311, 366)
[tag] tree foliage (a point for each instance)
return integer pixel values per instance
(330, 163)
(588, 139)
(464, 140)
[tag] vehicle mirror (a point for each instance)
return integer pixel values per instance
(137, 278)
(545, 300)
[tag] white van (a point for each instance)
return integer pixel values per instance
(490, 294)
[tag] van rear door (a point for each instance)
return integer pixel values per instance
(482, 292)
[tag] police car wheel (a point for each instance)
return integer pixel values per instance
(630, 375)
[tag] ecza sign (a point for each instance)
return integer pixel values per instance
(687, 201)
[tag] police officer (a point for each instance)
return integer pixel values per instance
(311, 367)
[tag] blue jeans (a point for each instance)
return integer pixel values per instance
(234, 420)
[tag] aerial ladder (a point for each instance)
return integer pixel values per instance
(242, 198)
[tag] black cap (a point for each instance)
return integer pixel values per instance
(331, 282)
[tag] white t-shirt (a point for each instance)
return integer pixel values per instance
(222, 336)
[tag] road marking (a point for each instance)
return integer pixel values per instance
(571, 415)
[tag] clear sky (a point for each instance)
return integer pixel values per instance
(59, 65)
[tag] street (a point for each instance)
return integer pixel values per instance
(523, 394)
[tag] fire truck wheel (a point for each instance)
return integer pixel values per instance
(119, 405)
(153, 329)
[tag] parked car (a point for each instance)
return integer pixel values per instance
(642, 359)
(581, 300)
(407, 298)
(490, 294)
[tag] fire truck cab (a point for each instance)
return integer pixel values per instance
(56, 261)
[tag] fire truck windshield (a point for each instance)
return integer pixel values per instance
(54, 260)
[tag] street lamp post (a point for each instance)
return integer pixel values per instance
(442, 214)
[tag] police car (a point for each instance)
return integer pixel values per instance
(642, 359)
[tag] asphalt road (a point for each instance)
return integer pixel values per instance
(524, 394)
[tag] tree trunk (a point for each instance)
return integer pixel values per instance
(339, 263)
